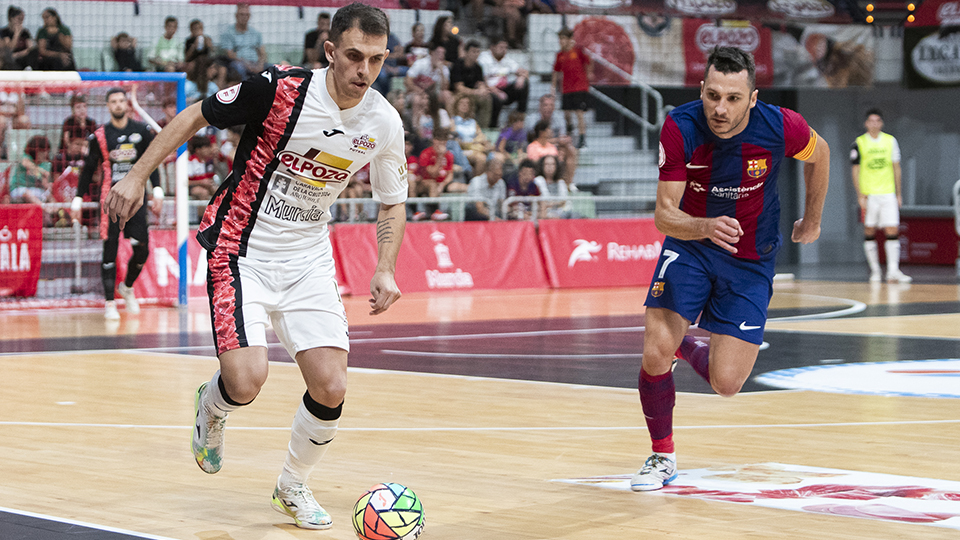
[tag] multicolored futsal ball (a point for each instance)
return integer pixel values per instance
(388, 511)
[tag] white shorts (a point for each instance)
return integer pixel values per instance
(298, 297)
(882, 211)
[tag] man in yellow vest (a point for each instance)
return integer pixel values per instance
(876, 177)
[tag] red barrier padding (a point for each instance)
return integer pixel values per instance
(447, 256)
(21, 247)
(600, 253)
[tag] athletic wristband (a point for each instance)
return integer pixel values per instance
(158, 193)
(75, 204)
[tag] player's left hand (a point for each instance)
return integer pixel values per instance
(805, 233)
(124, 199)
(383, 288)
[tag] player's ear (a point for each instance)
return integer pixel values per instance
(753, 98)
(701, 89)
(328, 48)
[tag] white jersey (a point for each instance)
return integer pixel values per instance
(296, 155)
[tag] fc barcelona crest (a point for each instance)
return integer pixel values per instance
(756, 168)
(657, 289)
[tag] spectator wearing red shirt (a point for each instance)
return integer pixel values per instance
(576, 70)
(435, 171)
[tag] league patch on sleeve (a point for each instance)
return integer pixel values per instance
(663, 156)
(228, 95)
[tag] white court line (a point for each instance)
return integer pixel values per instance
(502, 355)
(855, 307)
(83, 524)
(495, 428)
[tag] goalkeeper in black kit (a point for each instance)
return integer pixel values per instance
(114, 148)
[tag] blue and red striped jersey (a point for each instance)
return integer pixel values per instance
(736, 177)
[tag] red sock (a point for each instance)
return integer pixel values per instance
(697, 354)
(657, 398)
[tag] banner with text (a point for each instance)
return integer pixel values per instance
(700, 36)
(21, 246)
(600, 253)
(447, 256)
(931, 44)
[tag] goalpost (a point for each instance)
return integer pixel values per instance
(35, 104)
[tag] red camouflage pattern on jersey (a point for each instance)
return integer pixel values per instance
(223, 281)
(105, 183)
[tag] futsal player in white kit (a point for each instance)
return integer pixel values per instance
(265, 233)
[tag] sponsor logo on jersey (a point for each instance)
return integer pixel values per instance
(135, 138)
(734, 192)
(363, 143)
(657, 289)
(123, 153)
(228, 95)
(315, 167)
(288, 212)
(756, 168)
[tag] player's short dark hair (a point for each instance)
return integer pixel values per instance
(565, 32)
(114, 90)
(732, 60)
(873, 111)
(370, 20)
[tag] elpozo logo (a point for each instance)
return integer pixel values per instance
(587, 250)
(316, 167)
(709, 36)
(703, 7)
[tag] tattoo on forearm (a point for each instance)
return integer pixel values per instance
(385, 231)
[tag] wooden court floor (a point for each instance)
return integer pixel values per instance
(100, 436)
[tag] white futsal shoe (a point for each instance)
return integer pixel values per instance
(658, 471)
(898, 277)
(133, 307)
(207, 436)
(110, 312)
(297, 502)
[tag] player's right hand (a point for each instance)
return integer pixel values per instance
(724, 231)
(124, 199)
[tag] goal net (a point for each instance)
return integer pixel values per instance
(48, 258)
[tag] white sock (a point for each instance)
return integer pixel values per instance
(309, 439)
(213, 398)
(873, 257)
(892, 247)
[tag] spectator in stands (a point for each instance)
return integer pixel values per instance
(78, 124)
(466, 79)
(19, 49)
(393, 66)
(573, 66)
(550, 181)
(430, 76)
(443, 36)
(169, 107)
(491, 188)
(197, 44)
(521, 184)
(540, 145)
(507, 80)
(468, 134)
(417, 48)
(70, 156)
(31, 181)
(55, 43)
(313, 55)
(242, 45)
(568, 151)
(125, 52)
(436, 174)
(167, 53)
(13, 115)
(513, 139)
(201, 174)
(200, 80)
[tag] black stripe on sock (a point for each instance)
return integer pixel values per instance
(321, 411)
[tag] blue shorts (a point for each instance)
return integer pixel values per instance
(730, 295)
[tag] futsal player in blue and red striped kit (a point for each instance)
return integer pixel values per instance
(717, 204)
